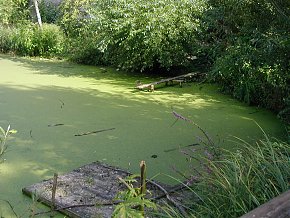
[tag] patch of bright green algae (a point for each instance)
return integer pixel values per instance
(37, 94)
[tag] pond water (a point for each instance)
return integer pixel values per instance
(35, 95)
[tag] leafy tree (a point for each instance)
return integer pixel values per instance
(137, 35)
(13, 11)
(75, 16)
(248, 43)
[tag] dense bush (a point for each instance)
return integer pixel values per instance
(5, 39)
(84, 50)
(138, 35)
(251, 76)
(248, 45)
(48, 41)
(30, 40)
(145, 34)
(13, 11)
(75, 18)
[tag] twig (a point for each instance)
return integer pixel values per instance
(177, 188)
(179, 207)
(92, 132)
(57, 124)
(178, 116)
(10, 205)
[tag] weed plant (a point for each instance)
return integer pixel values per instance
(131, 199)
(4, 135)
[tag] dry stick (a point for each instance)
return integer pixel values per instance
(177, 188)
(11, 207)
(179, 207)
(185, 146)
(178, 116)
(92, 132)
(57, 124)
(53, 192)
(143, 184)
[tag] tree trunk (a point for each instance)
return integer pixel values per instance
(37, 13)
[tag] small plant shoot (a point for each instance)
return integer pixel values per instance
(4, 135)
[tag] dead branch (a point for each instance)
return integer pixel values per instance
(166, 193)
(92, 132)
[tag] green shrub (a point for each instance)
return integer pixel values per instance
(30, 40)
(135, 35)
(47, 41)
(13, 11)
(248, 45)
(22, 37)
(75, 19)
(5, 39)
(255, 74)
(142, 35)
(83, 50)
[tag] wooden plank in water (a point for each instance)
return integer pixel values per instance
(84, 188)
(176, 78)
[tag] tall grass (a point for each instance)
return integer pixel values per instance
(243, 180)
(236, 181)
(29, 40)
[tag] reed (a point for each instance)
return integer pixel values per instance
(235, 181)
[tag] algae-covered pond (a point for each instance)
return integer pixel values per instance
(49, 102)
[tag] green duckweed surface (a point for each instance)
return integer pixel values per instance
(37, 94)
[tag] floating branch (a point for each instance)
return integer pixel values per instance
(57, 124)
(169, 198)
(92, 132)
(11, 207)
(185, 146)
(178, 116)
